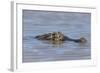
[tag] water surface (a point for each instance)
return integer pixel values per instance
(71, 24)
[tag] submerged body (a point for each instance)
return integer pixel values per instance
(58, 36)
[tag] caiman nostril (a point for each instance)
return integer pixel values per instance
(83, 40)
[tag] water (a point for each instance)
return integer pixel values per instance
(71, 24)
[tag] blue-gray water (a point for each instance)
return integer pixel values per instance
(71, 24)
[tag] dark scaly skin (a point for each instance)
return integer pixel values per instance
(58, 36)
